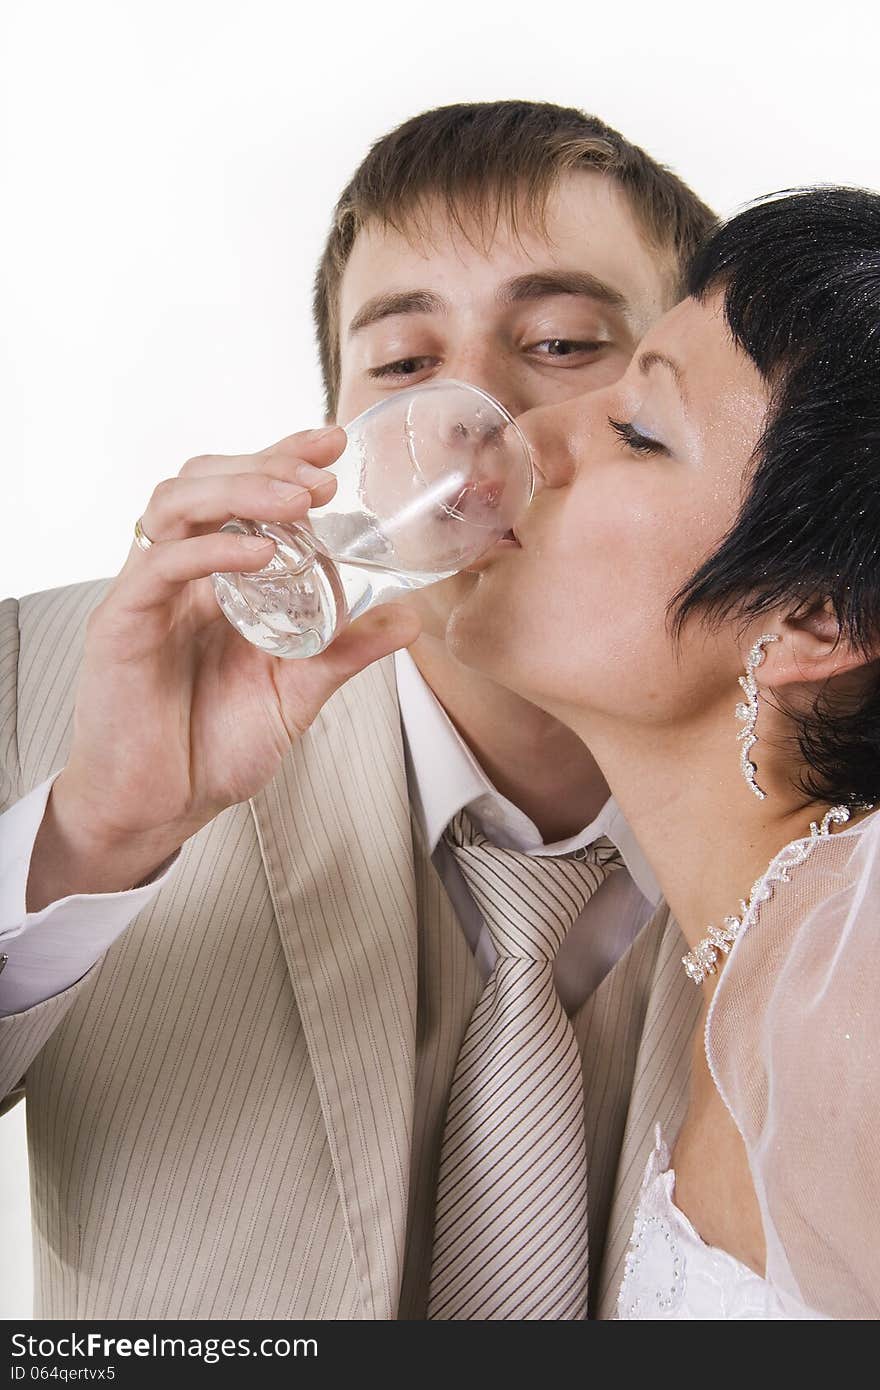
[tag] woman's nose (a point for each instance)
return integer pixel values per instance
(549, 432)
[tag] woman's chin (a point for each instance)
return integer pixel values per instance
(435, 602)
(474, 632)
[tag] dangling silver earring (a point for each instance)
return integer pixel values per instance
(748, 712)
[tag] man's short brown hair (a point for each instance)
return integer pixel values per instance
(495, 160)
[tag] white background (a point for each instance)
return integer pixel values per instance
(168, 168)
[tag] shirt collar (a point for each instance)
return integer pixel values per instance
(445, 776)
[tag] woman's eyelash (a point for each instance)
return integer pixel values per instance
(639, 443)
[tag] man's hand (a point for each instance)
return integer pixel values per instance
(176, 715)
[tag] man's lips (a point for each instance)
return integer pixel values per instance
(482, 494)
(508, 541)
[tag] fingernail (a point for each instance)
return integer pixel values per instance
(286, 491)
(324, 431)
(310, 476)
(255, 542)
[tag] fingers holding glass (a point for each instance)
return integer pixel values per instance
(195, 505)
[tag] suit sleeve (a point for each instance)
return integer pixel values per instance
(22, 1035)
(10, 768)
(48, 954)
(48, 951)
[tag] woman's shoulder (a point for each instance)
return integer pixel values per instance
(792, 1041)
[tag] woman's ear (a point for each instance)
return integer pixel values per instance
(811, 648)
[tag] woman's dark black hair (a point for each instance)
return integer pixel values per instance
(800, 279)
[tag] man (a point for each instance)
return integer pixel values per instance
(239, 1071)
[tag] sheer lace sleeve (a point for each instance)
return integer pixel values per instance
(792, 1041)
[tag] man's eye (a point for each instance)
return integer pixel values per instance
(567, 347)
(403, 366)
(638, 443)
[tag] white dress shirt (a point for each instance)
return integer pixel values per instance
(51, 949)
(444, 776)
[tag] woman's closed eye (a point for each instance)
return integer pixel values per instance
(636, 441)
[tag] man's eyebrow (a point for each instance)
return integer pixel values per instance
(383, 306)
(540, 284)
(659, 359)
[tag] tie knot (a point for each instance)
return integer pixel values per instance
(528, 902)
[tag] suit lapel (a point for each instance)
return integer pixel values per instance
(659, 1096)
(608, 1027)
(334, 830)
(449, 987)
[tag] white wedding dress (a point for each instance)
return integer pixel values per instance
(792, 1041)
(671, 1273)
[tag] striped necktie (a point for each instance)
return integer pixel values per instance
(510, 1231)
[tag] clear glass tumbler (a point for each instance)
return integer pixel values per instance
(429, 480)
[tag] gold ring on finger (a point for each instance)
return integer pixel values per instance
(140, 536)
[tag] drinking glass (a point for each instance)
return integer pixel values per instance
(429, 480)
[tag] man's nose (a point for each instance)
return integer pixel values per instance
(488, 366)
(551, 432)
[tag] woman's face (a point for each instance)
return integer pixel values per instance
(640, 483)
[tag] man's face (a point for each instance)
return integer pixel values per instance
(534, 317)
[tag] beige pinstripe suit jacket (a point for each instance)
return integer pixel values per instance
(237, 1112)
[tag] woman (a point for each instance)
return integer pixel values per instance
(700, 601)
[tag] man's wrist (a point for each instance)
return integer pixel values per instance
(74, 854)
